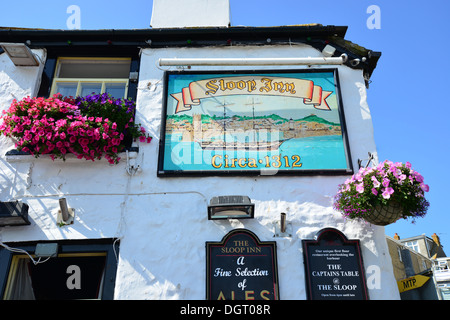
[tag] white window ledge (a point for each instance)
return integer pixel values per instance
(14, 156)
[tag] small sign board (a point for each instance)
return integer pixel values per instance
(334, 267)
(241, 267)
(412, 283)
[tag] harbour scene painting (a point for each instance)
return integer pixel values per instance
(264, 123)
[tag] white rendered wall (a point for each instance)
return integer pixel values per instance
(162, 222)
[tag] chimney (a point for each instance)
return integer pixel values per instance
(436, 239)
(396, 236)
(190, 13)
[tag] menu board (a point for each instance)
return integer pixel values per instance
(334, 267)
(241, 267)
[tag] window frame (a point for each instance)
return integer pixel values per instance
(80, 81)
(109, 246)
(399, 252)
(54, 53)
(413, 245)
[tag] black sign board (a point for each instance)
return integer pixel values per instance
(240, 267)
(334, 267)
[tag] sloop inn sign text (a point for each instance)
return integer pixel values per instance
(272, 122)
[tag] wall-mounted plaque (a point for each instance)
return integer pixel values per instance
(334, 267)
(241, 267)
(254, 123)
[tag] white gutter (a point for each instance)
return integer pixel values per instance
(251, 61)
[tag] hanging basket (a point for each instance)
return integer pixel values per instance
(384, 215)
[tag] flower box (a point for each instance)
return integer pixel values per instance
(91, 127)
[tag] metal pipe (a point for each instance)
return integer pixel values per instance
(283, 222)
(251, 61)
(64, 209)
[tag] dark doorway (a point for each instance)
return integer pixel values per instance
(68, 278)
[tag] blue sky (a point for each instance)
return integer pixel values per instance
(407, 95)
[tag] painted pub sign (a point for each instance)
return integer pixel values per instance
(241, 267)
(271, 122)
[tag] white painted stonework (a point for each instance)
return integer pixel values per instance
(162, 222)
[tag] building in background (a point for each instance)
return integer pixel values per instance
(420, 267)
(442, 277)
(233, 135)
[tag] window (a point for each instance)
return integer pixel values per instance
(84, 76)
(82, 270)
(399, 252)
(441, 265)
(414, 245)
(445, 291)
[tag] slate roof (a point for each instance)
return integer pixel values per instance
(315, 35)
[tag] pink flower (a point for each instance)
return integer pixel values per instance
(376, 183)
(387, 192)
(418, 177)
(360, 188)
(61, 122)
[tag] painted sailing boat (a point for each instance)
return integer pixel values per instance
(260, 136)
